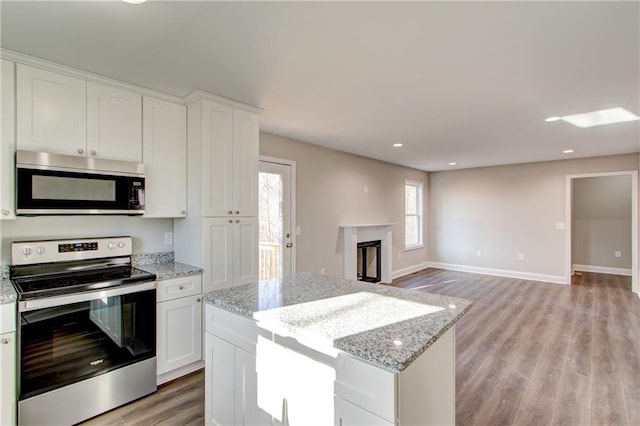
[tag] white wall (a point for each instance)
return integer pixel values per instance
(507, 210)
(602, 221)
(330, 192)
(148, 234)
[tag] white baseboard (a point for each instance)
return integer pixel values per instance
(409, 270)
(556, 279)
(602, 270)
(179, 372)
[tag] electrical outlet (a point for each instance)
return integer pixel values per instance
(168, 237)
(521, 256)
(479, 253)
(617, 253)
(322, 271)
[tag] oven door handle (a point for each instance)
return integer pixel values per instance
(50, 302)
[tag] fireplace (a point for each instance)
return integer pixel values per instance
(369, 260)
(352, 238)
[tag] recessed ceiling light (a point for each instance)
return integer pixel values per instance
(567, 151)
(134, 1)
(598, 118)
(397, 145)
(452, 164)
(550, 119)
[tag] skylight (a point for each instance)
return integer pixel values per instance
(598, 118)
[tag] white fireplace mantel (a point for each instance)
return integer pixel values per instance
(354, 234)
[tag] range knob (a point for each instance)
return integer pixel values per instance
(40, 250)
(111, 245)
(121, 244)
(26, 251)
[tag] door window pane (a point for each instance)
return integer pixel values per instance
(270, 224)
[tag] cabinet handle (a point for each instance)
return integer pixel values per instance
(5, 212)
(230, 211)
(5, 340)
(80, 151)
(237, 212)
(93, 152)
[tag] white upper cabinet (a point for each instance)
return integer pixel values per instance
(230, 154)
(114, 123)
(245, 152)
(8, 141)
(164, 153)
(66, 115)
(51, 112)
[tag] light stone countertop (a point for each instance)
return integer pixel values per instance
(163, 265)
(384, 325)
(7, 292)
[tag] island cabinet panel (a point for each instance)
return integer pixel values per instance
(219, 381)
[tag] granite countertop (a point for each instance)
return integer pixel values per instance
(7, 292)
(163, 265)
(386, 326)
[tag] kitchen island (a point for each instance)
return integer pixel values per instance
(312, 349)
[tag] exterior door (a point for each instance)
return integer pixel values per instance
(275, 206)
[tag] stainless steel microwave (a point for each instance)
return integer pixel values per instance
(55, 184)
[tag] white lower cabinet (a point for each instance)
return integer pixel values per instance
(8, 366)
(179, 327)
(348, 414)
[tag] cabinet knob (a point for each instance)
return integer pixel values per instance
(237, 212)
(5, 340)
(181, 287)
(5, 212)
(198, 300)
(93, 152)
(80, 151)
(230, 211)
(237, 220)
(230, 221)
(183, 212)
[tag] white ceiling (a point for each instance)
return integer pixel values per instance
(470, 82)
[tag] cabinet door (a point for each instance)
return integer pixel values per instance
(217, 252)
(114, 123)
(8, 379)
(245, 250)
(179, 333)
(217, 157)
(51, 112)
(347, 414)
(247, 411)
(218, 381)
(164, 153)
(245, 163)
(8, 141)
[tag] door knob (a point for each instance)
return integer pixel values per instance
(289, 245)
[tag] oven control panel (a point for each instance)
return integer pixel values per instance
(31, 252)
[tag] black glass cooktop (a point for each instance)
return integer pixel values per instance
(74, 278)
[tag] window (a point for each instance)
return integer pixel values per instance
(412, 214)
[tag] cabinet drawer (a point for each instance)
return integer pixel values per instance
(178, 287)
(347, 414)
(233, 328)
(7, 317)
(366, 386)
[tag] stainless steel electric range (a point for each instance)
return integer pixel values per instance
(86, 328)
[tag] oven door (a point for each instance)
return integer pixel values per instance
(64, 192)
(63, 340)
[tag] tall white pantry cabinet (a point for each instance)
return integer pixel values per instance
(220, 233)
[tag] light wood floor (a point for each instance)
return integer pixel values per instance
(527, 353)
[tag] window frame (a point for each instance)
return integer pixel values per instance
(419, 213)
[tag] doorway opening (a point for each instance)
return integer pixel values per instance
(602, 224)
(276, 217)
